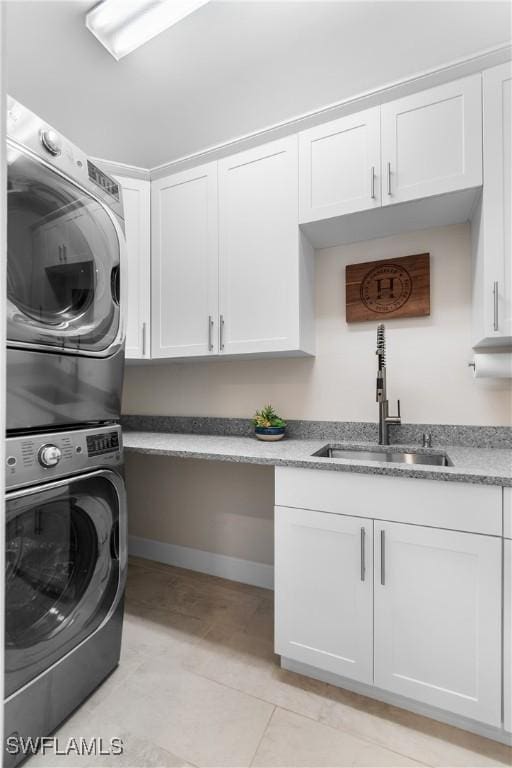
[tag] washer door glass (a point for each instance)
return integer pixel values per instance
(62, 571)
(62, 261)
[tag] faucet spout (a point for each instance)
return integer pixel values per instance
(384, 418)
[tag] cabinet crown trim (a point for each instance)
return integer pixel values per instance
(396, 89)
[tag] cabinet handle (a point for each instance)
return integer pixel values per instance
(143, 339)
(210, 332)
(221, 332)
(495, 295)
(363, 554)
(372, 182)
(389, 178)
(382, 558)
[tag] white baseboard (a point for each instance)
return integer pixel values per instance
(233, 568)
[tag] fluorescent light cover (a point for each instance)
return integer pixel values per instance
(124, 25)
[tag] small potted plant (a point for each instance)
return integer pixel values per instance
(268, 425)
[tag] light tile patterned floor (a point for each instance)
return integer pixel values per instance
(198, 684)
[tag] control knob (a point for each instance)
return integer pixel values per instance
(51, 141)
(49, 455)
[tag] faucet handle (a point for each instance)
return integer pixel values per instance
(395, 419)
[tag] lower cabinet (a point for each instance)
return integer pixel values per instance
(507, 638)
(324, 593)
(437, 632)
(411, 609)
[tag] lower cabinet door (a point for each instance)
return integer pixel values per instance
(324, 591)
(438, 618)
(507, 650)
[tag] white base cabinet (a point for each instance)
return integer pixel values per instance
(324, 592)
(507, 637)
(136, 203)
(437, 633)
(428, 627)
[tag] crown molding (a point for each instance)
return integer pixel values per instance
(394, 90)
(364, 100)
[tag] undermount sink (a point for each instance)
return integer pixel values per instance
(397, 457)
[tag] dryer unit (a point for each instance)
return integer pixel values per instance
(65, 281)
(66, 560)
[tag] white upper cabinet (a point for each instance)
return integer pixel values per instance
(185, 263)
(136, 203)
(324, 591)
(340, 167)
(492, 223)
(438, 618)
(232, 271)
(432, 142)
(266, 286)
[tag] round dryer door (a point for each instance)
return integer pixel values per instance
(63, 262)
(65, 568)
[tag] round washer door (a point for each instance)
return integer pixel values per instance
(63, 262)
(65, 569)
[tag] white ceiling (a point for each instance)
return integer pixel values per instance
(229, 69)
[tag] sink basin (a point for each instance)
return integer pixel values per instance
(397, 457)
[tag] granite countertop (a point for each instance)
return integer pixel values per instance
(492, 466)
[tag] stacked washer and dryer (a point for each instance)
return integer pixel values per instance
(66, 522)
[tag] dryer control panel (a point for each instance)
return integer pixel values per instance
(32, 459)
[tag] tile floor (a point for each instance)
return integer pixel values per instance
(198, 684)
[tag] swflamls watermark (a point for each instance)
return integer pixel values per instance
(95, 746)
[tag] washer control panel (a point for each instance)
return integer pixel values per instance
(31, 459)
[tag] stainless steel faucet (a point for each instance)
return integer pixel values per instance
(384, 418)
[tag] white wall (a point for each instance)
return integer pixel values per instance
(211, 506)
(427, 357)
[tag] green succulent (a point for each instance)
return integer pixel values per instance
(267, 417)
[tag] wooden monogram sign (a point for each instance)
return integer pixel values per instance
(389, 288)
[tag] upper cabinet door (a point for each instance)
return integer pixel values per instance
(339, 165)
(497, 203)
(136, 204)
(259, 250)
(438, 618)
(185, 263)
(432, 142)
(324, 591)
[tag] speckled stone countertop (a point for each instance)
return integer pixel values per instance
(492, 466)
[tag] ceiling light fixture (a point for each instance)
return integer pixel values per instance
(124, 25)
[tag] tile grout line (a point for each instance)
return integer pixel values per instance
(262, 735)
(347, 731)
